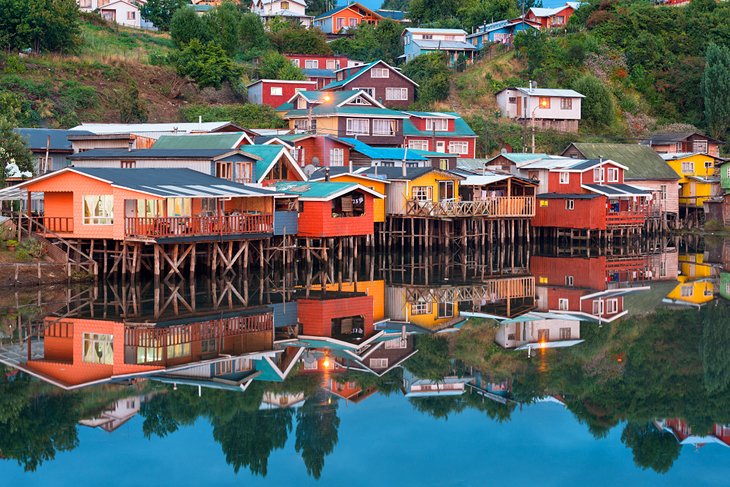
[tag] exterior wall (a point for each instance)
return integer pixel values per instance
(376, 140)
(432, 143)
(573, 186)
(587, 213)
(378, 203)
(588, 176)
(286, 222)
(558, 20)
(586, 272)
(400, 192)
(119, 11)
(313, 147)
(525, 105)
(374, 289)
(316, 220)
(692, 192)
(203, 166)
(380, 85)
(260, 93)
(316, 315)
(529, 332)
(340, 61)
(671, 204)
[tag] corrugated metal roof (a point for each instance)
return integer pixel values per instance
(641, 160)
(551, 162)
(423, 30)
(314, 190)
(269, 154)
(122, 128)
(568, 196)
(444, 45)
(149, 154)
(329, 13)
(398, 15)
(224, 140)
(167, 183)
(319, 73)
(37, 138)
(384, 153)
(548, 92)
(461, 128)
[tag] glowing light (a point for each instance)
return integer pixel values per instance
(326, 98)
(326, 363)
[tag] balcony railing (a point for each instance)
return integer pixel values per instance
(188, 226)
(626, 218)
(500, 207)
(55, 224)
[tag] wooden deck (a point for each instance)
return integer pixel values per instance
(626, 219)
(190, 226)
(501, 207)
(489, 291)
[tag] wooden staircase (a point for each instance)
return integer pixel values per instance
(60, 250)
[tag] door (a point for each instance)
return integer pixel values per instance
(440, 146)
(130, 208)
(446, 190)
(519, 107)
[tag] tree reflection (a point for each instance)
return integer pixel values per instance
(651, 447)
(317, 424)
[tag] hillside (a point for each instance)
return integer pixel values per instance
(99, 80)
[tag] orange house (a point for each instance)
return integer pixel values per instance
(329, 209)
(340, 19)
(158, 204)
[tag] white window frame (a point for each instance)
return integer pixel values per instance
(612, 306)
(437, 124)
(564, 177)
(612, 173)
(295, 62)
(569, 281)
(598, 307)
(563, 304)
(418, 144)
(276, 91)
(351, 129)
(103, 202)
(458, 147)
(688, 167)
(421, 308)
(337, 156)
(311, 64)
(599, 175)
(422, 193)
(687, 290)
(566, 103)
(331, 64)
(384, 127)
(379, 363)
(397, 94)
(380, 73)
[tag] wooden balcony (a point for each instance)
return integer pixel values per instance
(626, 218)
(192, 226)
(53, 224)
(500, 207)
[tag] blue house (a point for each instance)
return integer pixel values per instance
(50, 147)
(501, 32)
(417, 41)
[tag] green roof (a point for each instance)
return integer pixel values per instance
(268, 374)
(344, 81)
(461, 128)
(228, 140)
(518, 157)
(268, 155)
(313, 190)
(641, 160)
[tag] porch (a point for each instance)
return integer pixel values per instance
(193, 226)
(628, 218)
(497, 207)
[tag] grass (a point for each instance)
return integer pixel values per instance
(106, 44)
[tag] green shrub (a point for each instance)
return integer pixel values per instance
(33, 247)
(76, 95)
(13, 64)
(246, 115)
(22, 254)
(207, 64)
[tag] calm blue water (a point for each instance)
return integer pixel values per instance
(375, 4)
(383, 441)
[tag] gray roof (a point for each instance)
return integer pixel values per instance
(444, 45)
(168, 183)
(662, 137)
(126, 128)
(641, 160)
(422, 30)
(150, 154)
(37, 139)
(567, 196)
(548, 92)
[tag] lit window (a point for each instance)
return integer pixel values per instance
(285, 5)
(99, 209)
(545, 102)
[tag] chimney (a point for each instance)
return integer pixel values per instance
(327, 174)
(349, 165)
(200, 121)
(130, 144)
(530, 87)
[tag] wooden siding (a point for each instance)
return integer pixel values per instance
(316, 315)
(317, 221)
(380, 85)
(587, 213)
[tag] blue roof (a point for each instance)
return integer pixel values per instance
(344, 81)
(268, 374)
(392, 14)
(319, 73)
(387, 153)
(38, 138)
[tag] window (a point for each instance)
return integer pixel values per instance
(396, 93)
(131, 15)
(295, 62)
(276, 91)
(446, 190)
(423, 145)
(563, 304)
(687, 291)
(301, 103)
(544, 102)
(99, 209)
(688, 167)
(353, 22)
(612, 175)
(98, 349)
(340, 23)
(422, 193)
(570, 205)
(311, 64)
(612, 306)
(331, 64)
(128, 164)
(458, 147)
(663, 191)
(543, 335)
(444, 164)
(150, 208)
(224, 170)
(427, 36)
(301, 125)
(337, 157)
(512, 100)
(437, 124)
(699, 146)
(385, 127)
(378, 363)
(727, 171)
(285, 5)
(396, 344)
(566, 103)
(380, 73)
(598, 308)
(598, 174)
(421, 308)
(352, 204)
(564, 178)
(244, 172)
(358, 126)
(179, 207)
(85, 3)
(360, 100)
(446, 310)
(565, 334)
(569, 281)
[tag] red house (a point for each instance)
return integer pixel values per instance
(550, 18)
(587, 288)
(319, 68)
(317, 150)
(439, 132)
(585, 195)
(329, 209)
(336, 316)
(274, 92)
(378, 79)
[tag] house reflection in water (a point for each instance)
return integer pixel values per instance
(697, 282)
(718, 434)
(447, 386)
(538, 330)
(116, 414)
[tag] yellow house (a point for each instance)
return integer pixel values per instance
(341, 175)
(421, 306)
(696, 286)
(698, 179)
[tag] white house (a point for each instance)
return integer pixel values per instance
(289, 9)
(122, 12)
(544, 107)
(417, 41)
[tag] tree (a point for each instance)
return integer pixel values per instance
(13, 150)
(253, 36)
(316, 7)
(652, 448)
(160, 12)
(187, 25)
(246, 115)
(131, 108)
(296, 38)
(273, 65)
(716, 90)
(432, 74)
(370, 43)
(42, 25)
(207, 64)
(597, 107)
(715, 341)
(224, 27)
(432, 361)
